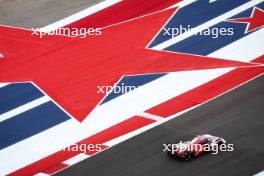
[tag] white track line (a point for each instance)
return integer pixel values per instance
(41, 174)
(260, 174)
(76, 159)
(79, 15)
(206, 25)
(211, 1)
(150, 116)
(24, 108)
(3, 84)
(1, 55)
(247, 53)
(182, 3)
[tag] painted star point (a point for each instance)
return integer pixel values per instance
(255, 21)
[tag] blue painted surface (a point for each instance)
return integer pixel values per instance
(30, 123)
(15, 95)
(196, 14)
(206, 44)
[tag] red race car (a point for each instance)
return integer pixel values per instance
(196, 147)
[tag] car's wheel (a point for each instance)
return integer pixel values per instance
(220, 142)
(188, 156)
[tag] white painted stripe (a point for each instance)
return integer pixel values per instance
(3, 84)
(79, 15)
(247, 52)
(24, 108)
(260, 174)
(211, 1)
(78, 158)
(110, 114)
(182, 4)
(125, 137)
(150, 116)
(41, 174)
(206, 25)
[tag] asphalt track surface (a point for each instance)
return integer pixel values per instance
(35, 14)
(237, 116)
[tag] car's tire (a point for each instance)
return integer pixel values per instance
(188, 156)
(220, 142)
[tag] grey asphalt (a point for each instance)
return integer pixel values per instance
(236, 116)
(39, 13)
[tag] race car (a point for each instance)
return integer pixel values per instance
(199, 145)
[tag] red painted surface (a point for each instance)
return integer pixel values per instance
(55, 168)
(208, 91)
(254, 22)
(70, 71)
